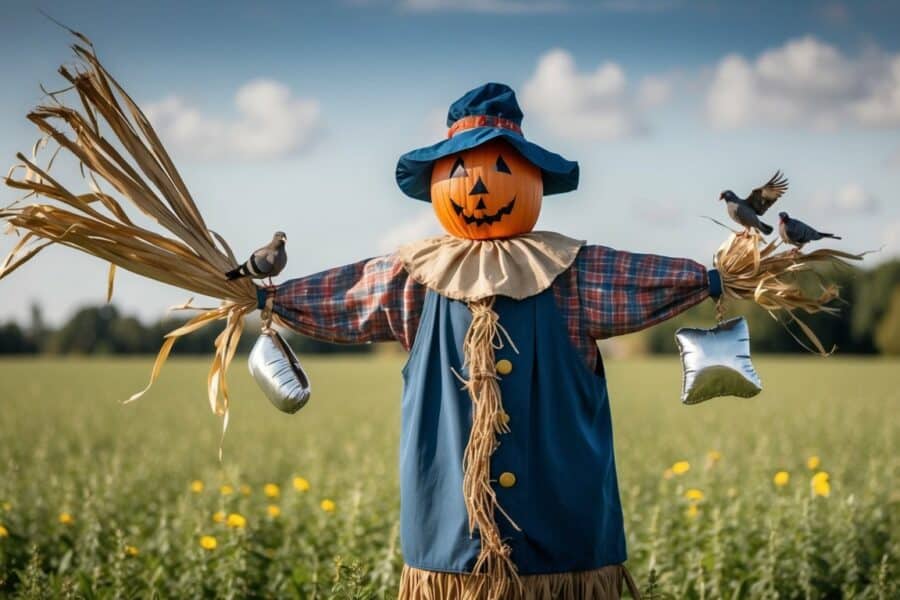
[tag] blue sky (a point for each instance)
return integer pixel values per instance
(288, 116)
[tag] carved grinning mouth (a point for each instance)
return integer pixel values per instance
(486, 219)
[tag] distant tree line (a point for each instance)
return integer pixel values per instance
(868, 322)
(104, 329)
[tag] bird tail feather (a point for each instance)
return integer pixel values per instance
(832, 236)
(766, 229)
(236, 273)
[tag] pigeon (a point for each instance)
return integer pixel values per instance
(747, 211)
(268, 261)
(799, 233)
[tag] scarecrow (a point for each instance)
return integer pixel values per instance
(508, 479)
(506, 462)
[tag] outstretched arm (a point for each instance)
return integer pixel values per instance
(621, 292)
(372, 300)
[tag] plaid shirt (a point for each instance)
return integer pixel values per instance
(604, 293)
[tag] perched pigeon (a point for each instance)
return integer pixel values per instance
(799, 233)
(747, 211)
(268, 261)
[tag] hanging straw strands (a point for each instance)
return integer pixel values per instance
(753, 269)
(140, 170)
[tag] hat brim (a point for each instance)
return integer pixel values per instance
(414, 168)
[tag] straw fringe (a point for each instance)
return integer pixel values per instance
(139, 169)
(605, 583)
(482, 339)
(753, 269)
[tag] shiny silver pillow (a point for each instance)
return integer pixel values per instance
(278, 373)
(716, 362)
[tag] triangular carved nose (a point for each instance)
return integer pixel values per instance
(481, 205)
(479, 188)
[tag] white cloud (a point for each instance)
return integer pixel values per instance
(598, 105)
(654, 91)
(806, 83)
(271, 123)
(849, 199)
(423, 225)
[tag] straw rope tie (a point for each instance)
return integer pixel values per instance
(484, 336)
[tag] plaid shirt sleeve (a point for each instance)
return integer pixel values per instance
(373, 300)
(620, 292)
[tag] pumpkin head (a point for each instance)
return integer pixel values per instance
(490, 191)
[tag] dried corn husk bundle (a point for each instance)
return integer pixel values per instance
(139, 169)
(770, 275)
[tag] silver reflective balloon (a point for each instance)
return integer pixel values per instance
(278, 373)
(716, 362)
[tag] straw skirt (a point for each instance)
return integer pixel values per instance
(605, 583)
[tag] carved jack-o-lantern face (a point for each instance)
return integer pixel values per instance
(488, 192)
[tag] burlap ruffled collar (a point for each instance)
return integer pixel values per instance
(517, 267)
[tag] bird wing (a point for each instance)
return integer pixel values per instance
(262, 260)
(801, 232)
(279, 263)
(763, 197)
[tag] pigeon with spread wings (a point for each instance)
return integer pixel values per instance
(746, 211)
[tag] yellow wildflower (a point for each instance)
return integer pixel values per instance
(781, 478)
(237, 521)
(66, 519)
(668, 474)
(4, 532)
(731, 492)
(694, 495)
(7, 506)
(714, 455)
(196, 486)
(226, 490)
(208, 542)
(273, 510)
(681, 467)
(813, 462)
(218, 517)
(692, 511)
(301, 484)
(271, 490)
(820, 484)
(131, 551)
(328, 505)
(245, 489)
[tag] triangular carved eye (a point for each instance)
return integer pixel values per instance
(501, 165)
(459, 169)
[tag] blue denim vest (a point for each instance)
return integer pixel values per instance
(565, 497)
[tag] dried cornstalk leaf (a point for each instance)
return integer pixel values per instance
(752, 269)
(133, 163)
(110, 278)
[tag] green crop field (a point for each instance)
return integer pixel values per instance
(103, 500)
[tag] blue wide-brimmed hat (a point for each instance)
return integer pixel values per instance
(481, 115)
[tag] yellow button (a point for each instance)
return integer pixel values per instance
(504, 367)
(507, 479)
(503, 417)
